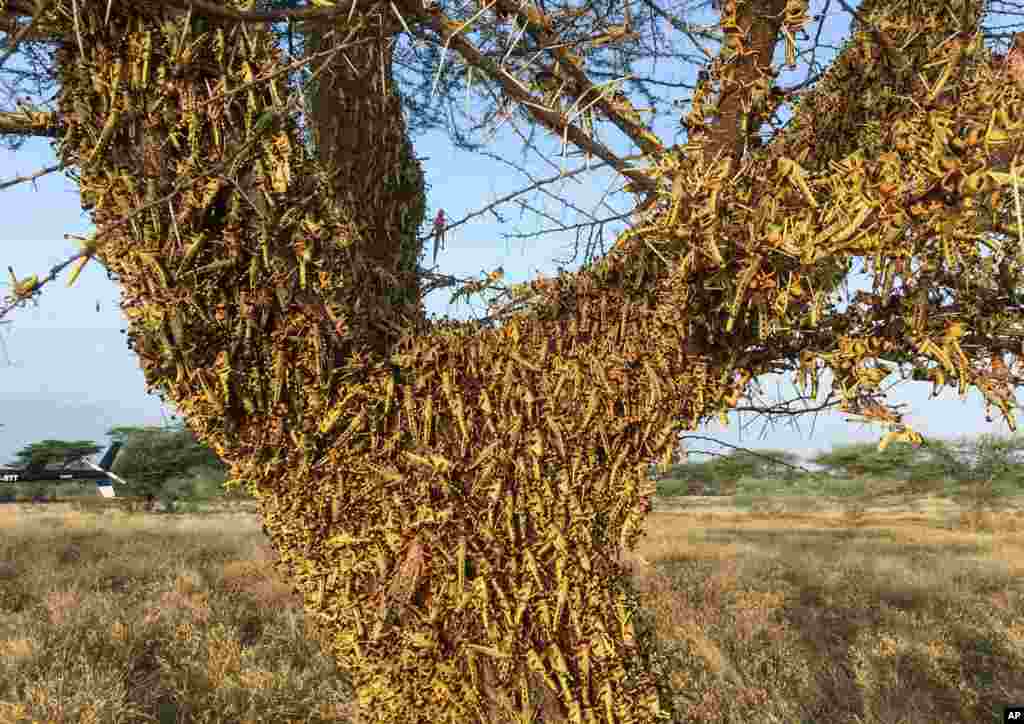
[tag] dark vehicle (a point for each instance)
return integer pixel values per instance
(40, 471)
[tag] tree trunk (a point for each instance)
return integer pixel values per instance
(261, 291)
(355, 113)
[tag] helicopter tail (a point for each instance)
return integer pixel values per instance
(104, 486)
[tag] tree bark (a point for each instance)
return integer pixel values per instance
(359, 136)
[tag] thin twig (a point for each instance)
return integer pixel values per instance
(519, 192)
(19, 299)
(32, 177)
(78, 32)
(569, 227)
(402, 20)
(745, 450)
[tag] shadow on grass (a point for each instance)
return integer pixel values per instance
(793, 619)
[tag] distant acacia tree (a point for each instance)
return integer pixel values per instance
(154, 456)
(750, 463)
(48, 452)
(865, 459)
(984, 460)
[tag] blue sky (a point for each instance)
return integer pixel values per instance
(73, 377)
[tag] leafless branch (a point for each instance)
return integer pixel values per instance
(686, 28)
(566, 227)
(29, 123)
(536, 185)
(31, 177)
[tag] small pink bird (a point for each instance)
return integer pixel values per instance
(439, 223)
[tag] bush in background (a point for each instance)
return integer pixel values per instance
(980, 469)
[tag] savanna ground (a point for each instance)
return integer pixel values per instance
(773, 605)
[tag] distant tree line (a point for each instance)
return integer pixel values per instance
(983, 459)
(170, 465)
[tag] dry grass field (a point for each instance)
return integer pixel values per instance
(855, 614)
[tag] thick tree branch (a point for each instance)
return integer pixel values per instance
(216, 10)
(743, 66)
(30, 123)
(448, 30)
